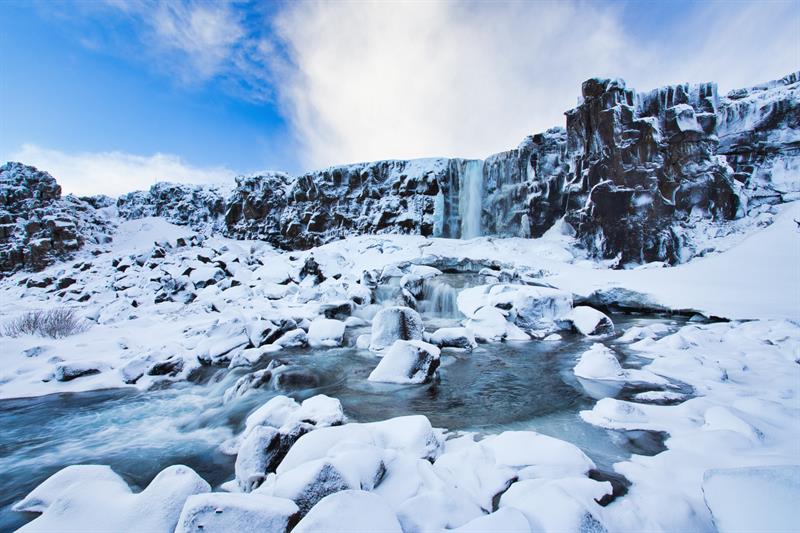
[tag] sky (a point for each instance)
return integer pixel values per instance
(111, 96)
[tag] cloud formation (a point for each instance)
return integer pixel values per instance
(115, 173)
(377, 80)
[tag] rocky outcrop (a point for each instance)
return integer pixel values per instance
(639, 177)
(195, 205)
(37, 225)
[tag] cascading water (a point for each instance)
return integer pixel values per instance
(470, 198)
(439, 299)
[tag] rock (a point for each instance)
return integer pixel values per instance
(291, 378)
(392, 324)
(590, 321)
(407, 362)
(462, 338)
(221, 513)
(507, 520)
(293, 338)
(248, 382)
(106, 504)
(350, 510)
(536, 310)
(757, 498)
(258, 454)
(170, 367)
(325, 333)
(309, 483)
(68, 371)
(70, 478)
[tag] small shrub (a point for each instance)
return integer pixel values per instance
(54, 323)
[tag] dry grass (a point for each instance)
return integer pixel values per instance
(54, 323)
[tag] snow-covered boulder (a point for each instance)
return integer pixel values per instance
(392, 324)
(600, 363)
(566, 504)
(454, 338)
(272, 429)
(351, 511)
(412, 435)
(220, 341)
(537, 455)
(223, 512)
(309, 483)
(67, 371)
(490, 325)
(325, 333)
(70, 478)
(407, 362)
(590, 321)
(258, 454)
(537, 310)
(104, 504)
(293, 338)
(507, 520)
(759, 498)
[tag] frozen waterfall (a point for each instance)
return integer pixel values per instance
(470, 198)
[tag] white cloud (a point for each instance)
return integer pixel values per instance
(375, 80)
(115, 173)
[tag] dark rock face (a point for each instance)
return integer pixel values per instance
(194, 205)
(641, 164)
(322, 206)
(37, 225)
(759, 134)
(635, 175)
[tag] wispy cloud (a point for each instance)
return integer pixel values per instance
(115, 173)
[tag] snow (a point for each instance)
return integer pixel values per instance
(590, 321)
(392, 324)
(351, 511)
(70, 478)
(325, 332)
(600, 363)
(407, 362)
(761, 498)
(105, 504)
(221, 513)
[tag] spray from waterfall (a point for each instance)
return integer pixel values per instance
(470, 198)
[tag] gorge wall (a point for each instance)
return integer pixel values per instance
(634, 174)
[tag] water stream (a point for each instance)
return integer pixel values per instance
(514, 385)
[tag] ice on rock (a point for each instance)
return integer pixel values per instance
(70, 478)
(590, 321)
(407, 362)
(454, 338)
(107, 505)
(223, 512)
(325, 333)
(758, 498)
(350, 511)
(392, 324)
(506, 519)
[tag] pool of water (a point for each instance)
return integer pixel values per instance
(514, 385)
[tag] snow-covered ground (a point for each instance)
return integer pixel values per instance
(160, 313)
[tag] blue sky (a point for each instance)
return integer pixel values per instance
(110, 96)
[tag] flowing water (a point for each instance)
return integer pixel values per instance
(514, 385)
(470, 198)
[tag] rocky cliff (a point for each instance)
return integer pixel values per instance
(640, 177)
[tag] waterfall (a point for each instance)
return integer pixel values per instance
(470, 198)
(439, 299)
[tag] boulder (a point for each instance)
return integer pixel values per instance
(258, 454)
(325, 333)
(352, 511)
(407, 362)
(462, 338)
(590, 321)
(392, 324)
(221, 513)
